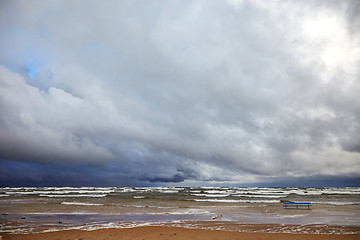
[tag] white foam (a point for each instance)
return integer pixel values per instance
(20, 188)
(236, 201)
(126, 190)
(81, 204)
(291, 216)
(138, 189)
(306, 193)
(104, 226)
(139, 197)
(342, 192)
(215, 191)
(73, 196)
(175, 212)
(337, 203)
(168, 191)
(260, 196)
(260, 192)
(189, 212)
(63, 213)
(210, 195)
(183, 212)
(20, 193)
(4, 195)
(58, 192)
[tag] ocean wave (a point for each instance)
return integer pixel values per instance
(63, 213)
(175, 212)
(210, 195)
(4, 195)
(94, 227)
(82, 204)
(168, 191)
(189, 212)
(61, 192)
(306, 193)
(20, 193)
(127, 190)
(261, 192)
(215, 191)
(235, 201)
(337, 203)
(73, 196)
(19, 188)
(260, 196)
(139, 197)
(300, 191)
(337, 192)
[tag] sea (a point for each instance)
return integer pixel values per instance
(258, 209)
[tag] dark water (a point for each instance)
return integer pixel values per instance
(337, 210)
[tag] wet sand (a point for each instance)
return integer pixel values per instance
(175, 233)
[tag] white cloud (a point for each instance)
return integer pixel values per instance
(40, 126)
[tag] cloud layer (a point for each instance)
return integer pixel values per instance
(189, 92)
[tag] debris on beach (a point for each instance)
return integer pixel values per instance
(216, 217)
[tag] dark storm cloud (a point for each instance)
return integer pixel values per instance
(200, 91)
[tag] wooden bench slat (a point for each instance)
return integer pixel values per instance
(297, 204)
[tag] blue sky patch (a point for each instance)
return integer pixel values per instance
(31, 71)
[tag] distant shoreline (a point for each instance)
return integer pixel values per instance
(176, 233)
(17, 227)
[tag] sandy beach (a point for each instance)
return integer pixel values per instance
(163, 233)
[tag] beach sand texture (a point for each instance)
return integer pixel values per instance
(167, 233)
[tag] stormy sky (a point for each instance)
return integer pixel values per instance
(128, 93)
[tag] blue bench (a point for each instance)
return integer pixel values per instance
(297, 205)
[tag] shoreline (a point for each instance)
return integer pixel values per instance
(175, 233)
(24, 227)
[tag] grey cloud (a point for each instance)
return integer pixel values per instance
(182, 91)
(175, 179)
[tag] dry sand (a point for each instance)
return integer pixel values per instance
(167, 233)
